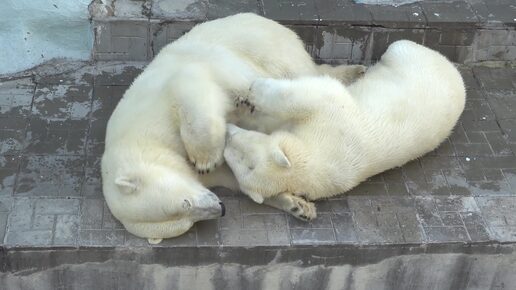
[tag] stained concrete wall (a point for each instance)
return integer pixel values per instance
(424, 271)
(34, 31)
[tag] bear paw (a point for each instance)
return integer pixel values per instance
(303, 209)
(204, 143)
(243, 102)
(206, 162)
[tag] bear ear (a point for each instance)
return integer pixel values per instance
(280, 158)
(127, 185)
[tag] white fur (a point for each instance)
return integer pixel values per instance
(178, 107)
(336, 137)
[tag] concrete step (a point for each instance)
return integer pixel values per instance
(334, 31)
(445, 221)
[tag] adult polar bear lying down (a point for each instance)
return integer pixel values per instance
(336, 137)
(177, 110)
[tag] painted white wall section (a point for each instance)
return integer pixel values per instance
(34, 31)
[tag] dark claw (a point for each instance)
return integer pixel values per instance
(303, 217)
(252, 109)
(207, 171)
(294, 209)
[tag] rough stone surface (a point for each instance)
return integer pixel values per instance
(51, 140)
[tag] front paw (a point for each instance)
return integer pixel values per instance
(259, 96)
(243, 102)
(204, 144)
(303, 209)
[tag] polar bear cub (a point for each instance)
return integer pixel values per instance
(171, 122)
(336, 137)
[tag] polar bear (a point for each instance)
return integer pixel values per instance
(336, 137)
(176, 111)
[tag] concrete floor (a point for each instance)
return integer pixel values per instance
(51, 139)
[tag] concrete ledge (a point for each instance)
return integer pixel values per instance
(334, 31)
(452, 266)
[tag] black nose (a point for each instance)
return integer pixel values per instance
(223, 209)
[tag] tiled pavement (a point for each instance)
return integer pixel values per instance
(51, 138)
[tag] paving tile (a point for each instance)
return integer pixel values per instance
(264, 221)
(91, 214)
(43, 222)
(332, 205)
(366, 227)
(96, 136)
(499, 144)
(503, 104)
(191, 10)
(66, 230)
(50, 175)
(104, 238)
(30, 238)
(208, 233)
(441, 13)
(115, 74)
(56, 137)
(402, 16)
(223, 8)
(8, 170)
(452, 219)
(494, 80)
(498, 211)
(3, 225)
(427, 212)
(475, 225)
(16, 98)
(109, 221)
(123, 39)
(323, 221)
(456, 204)
(239, 237)
(389, 228)
(92, 185)
(291, 11)
(446, 234)
(11, 142)
(62, 101)
(105, 99)
(397, 189)
(233, 217)
(509, 128)
(334, 10)
(57, 206)
(505, 234)
(312, 236)
(410, 227)
(344, 227)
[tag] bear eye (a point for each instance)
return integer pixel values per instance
(187, 204)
